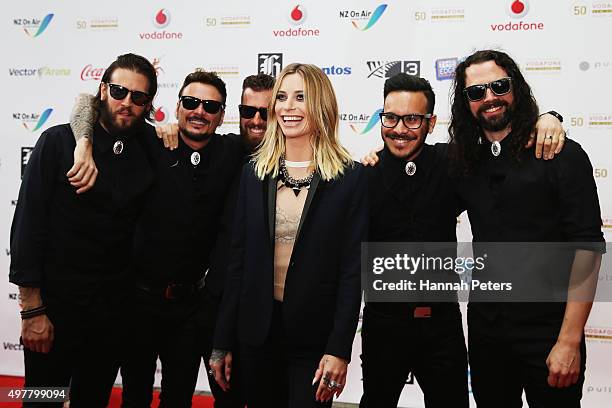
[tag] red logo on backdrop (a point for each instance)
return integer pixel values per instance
(158, 68)
(297, 15)
(517, 8)
(160, 115)
(162, 18)
(91, 73)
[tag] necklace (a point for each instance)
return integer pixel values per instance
(294, 184)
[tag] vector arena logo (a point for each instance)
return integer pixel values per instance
(161, 19)
(517, 9)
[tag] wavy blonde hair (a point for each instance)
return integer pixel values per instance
(329, 156)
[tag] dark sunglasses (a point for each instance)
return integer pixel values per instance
(191, 103)
(249, 112)
(499, 87)
(119, 93)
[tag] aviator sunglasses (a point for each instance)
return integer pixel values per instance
(499, 87)
(249, 112)
(119, 93)
(192, 103)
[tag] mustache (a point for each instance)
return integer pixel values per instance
(395, 136)
(124, 110)
(492, 104)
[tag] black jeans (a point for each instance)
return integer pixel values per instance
(277, 374)
(508, 357)
(179, 332)
(432, 349)
(86, 350)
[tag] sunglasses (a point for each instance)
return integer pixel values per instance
(499, 87)
(192, 103)
(249, 112)
(119, 93)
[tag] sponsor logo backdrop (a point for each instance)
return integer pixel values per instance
(55, 50)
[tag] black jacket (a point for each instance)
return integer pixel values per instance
(322, 289)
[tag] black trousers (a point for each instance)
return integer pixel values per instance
(432, 349)
(86, 351)
(277, 374)
(179, 332)
(507, 357)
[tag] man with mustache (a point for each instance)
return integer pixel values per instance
(69, 253)
(536, 347)
(174, 239)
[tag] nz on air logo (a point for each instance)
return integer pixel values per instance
(358, 17)
(361, 123)
(33, 26)
(386, 69)
(33, 121)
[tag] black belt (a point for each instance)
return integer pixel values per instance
(172, 290)
(412, 310)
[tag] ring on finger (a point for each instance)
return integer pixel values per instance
(548, 137)
(211, 372)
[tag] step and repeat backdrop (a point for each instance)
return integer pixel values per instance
(53, 50)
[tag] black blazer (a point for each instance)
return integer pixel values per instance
(322, 289)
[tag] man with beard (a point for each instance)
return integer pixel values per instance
(174, 303)
(412, 200)
(512, 197)
(69, 253)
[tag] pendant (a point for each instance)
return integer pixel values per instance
(410, 168)
(118, 147)
(495, 148)
(195, 158)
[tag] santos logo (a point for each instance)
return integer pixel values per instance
(517, 9)
(334, 70)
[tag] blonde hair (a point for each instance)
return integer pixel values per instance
(329, 156)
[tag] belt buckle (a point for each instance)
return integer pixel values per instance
(422, 312)
(169, 292)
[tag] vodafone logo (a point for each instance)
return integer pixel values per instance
(517, 8)
(297, 15)
(161, 116)
(91, 73)
(161, 18)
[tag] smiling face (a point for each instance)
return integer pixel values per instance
(199, 125)
(493, 112)
(119, 116)
(253, 129)
(290, 107)
(403, 142)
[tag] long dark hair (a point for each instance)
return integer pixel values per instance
(464, 129)
(137, 64)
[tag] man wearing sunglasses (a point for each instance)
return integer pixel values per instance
(174, 303)
(536, 347)
(69, 253)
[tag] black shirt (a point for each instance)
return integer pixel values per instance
(420, 208)
(531, 200)
(417, 208)
(61, 239)
(179, 225)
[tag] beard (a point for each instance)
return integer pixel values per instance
(113, 125)
(494, 124)
(196, 137)
(251, 141)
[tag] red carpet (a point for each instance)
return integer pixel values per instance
(199, 401)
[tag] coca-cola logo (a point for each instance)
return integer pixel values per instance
(91, 73)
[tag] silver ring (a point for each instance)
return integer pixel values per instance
(211, 372)
(333, 384)
(548, 137)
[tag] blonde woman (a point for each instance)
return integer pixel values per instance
(291, 304)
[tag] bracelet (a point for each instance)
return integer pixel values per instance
(555, 114)
(37, 311)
